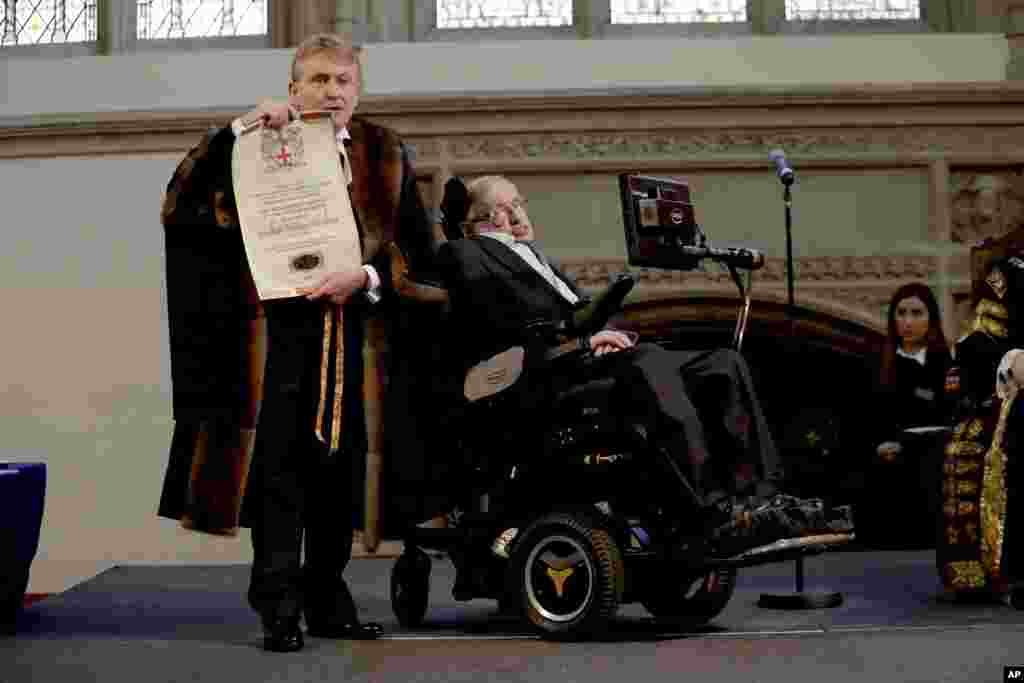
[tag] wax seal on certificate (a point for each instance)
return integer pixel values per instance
(309, 261)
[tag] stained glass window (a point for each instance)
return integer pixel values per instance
(852, 10)
(30, 22)
(678, 11)
(503, 13)
(200, 18)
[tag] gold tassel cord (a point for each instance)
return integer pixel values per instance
(334, 328)
(339, 378)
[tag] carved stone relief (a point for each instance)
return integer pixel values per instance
(986, 203)
(841, 285)
(739, 144)
(830, 269)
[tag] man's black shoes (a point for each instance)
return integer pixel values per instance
(345, 631)
(282, 634)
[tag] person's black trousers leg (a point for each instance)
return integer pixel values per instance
(743, 450)
(328, 540)
(284, 447)
(653, 395)
(275, 588)
(333, 484)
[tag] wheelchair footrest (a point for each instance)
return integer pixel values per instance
(783, 549)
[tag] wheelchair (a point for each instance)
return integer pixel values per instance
(572, 517)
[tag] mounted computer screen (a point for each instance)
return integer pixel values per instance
(658, 218)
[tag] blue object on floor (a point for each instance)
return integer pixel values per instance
(22, 491)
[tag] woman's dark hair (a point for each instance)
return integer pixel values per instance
(935, 340)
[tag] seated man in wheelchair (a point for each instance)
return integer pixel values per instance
(696, 413)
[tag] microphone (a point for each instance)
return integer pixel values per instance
(782, 169)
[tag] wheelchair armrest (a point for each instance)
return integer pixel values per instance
(544, 332)
(595, 315)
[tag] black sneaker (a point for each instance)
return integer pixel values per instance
(758, 522)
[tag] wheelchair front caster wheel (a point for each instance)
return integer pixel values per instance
(690, 604)
(410, 587)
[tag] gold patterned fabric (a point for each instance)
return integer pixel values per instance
(990, 318)
(981, 488)
(973, 495)
(970, 549)
(993, 497)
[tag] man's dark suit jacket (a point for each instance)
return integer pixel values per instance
(495, 294)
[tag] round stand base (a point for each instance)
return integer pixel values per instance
(800, 600)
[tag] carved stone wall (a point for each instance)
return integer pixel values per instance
(987, 203)
(856, 289)
(964, 141)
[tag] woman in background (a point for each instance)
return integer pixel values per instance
(909, 395)
(913, 367)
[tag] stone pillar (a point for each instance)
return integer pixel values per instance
(940, 231)
(290, 22)
(1015, 37)
(350, 19)
(590, 18)
(115, 26)
(767, 17)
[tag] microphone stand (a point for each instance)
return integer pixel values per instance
(799, 599)
(787, 199)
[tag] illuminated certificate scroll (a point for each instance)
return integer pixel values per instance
(293, 205)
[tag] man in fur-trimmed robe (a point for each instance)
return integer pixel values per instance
(290, 386)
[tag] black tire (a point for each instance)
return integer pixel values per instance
(568, 575)
(410, 587)
(692, 603)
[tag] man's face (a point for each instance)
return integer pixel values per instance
(326, 83)
(508, 213)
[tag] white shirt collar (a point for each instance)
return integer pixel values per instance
(919, 356)
(340, 136)
(502, 237)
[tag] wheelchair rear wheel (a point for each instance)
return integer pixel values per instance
(410, 587)
(568, 575)
(692, 603)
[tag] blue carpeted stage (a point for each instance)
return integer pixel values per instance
(157, 623)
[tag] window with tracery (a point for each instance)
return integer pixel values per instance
(503, 13)
(33, 22)
(200, 18)
(852, 10)
(678, 11)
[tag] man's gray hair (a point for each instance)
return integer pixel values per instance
(479, 191)
(347, 51)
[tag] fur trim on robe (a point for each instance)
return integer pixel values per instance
(217, 327)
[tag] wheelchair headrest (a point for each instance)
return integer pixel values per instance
(454, 207)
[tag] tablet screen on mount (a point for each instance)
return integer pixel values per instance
(658, 218)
